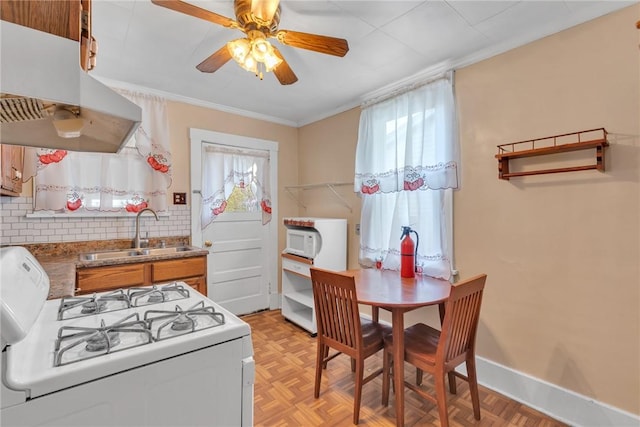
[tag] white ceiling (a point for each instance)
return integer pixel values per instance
(391, 43)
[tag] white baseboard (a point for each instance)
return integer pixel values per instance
(559, 403)
(562, 404)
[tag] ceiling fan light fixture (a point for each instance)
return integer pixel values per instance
(250, 64)
(271, 61)
(259, 20)
(239, 49)
(260, 48)
(263, 52)
(255, 54)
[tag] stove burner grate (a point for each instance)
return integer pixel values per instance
(101, 340)
(155, 294)
(93, 306)
(87, 306)
(168, 324)
(183, 322)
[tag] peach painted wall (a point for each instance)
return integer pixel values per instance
(561, 251)
(327, 155)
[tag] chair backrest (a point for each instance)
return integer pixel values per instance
(337, 313)
(460, 323)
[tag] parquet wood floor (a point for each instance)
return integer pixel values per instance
(285, 362)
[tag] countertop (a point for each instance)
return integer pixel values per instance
(60, 261)
(62, 269)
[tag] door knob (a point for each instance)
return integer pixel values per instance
(207, 243)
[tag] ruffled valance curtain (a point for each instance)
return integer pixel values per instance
(129, 181)
(408, 142)
(235, 180)
(407, 163)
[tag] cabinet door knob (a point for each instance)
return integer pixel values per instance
(208, 243)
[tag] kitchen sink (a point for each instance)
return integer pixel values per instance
(96, 256)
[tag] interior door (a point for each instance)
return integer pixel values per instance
(237, 265)
(242, 260)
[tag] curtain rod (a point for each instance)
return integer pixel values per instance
(404, 89)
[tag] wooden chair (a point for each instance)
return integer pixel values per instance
(340, 327)
(439, 352)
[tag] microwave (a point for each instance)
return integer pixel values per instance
(305, 243)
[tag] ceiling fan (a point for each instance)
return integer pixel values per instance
(259, 20)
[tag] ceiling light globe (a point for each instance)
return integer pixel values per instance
(271, 61)
(260, 48)
(250, 64)
(239, 49)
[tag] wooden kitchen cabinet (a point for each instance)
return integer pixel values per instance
(62, 18)
(99, 279)
(11, 162)
(192, 271)
(70, 19)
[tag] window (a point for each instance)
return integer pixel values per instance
(234, 180)
(136, 178)
(406, 169)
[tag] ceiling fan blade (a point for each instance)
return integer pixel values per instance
(215, 61)
(189, 9)
(314, 42)
(283, 72)
(264, 9)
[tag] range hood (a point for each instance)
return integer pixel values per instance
(49, 101)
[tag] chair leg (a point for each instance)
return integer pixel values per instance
(473, 386)
(357, 393)
(386, 373)
(325, 354)
(441, 398)
(353, 364)
(418, 376)
(452, 383)
(321, 350)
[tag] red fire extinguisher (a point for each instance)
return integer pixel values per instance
(408, 253)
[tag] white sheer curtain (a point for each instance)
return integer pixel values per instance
(135, 178)
(234, 180)
(407, 163)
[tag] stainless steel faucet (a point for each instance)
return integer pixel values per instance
(137, 242)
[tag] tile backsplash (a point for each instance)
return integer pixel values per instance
(17, 229)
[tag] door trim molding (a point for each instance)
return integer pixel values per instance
(202, 136)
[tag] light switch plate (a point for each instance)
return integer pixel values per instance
(179, 198)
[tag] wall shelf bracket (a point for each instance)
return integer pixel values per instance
(583, 140)
(293, 191)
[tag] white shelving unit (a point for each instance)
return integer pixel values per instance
(297, 295)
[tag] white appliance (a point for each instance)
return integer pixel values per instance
(330, 254)
(303, 242)
(163, 355)
(42, 74)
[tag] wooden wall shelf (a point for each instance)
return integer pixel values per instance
(583, 140)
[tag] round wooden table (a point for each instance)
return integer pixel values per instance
(386, 289)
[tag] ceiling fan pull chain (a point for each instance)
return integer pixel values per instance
(260, 69)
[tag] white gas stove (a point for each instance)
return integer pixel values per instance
(160, 355)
